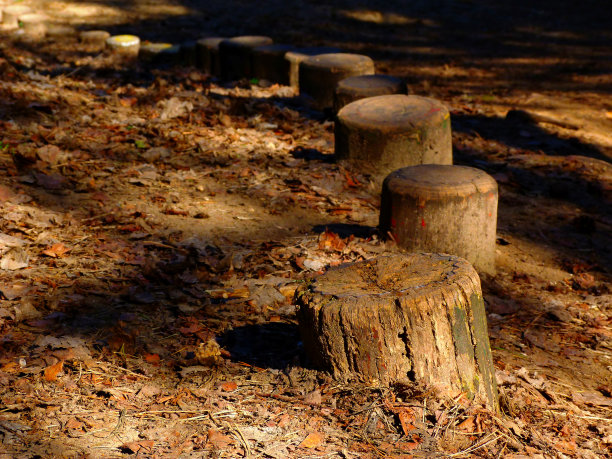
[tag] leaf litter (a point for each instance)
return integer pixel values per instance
(155, 226)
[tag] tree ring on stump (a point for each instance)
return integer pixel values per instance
(361, 86)
(269, 63)
(235, 55)
(412, 318)
(320, 74)
(208, 54)
(298, 56)
(440, 208)
(384, 133)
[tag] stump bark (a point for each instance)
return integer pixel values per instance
(320, 74)
(414, 318)
(296, 57)
(235, 55)
(381, 134)
(439, 208)
(269, 63)
(359, 87)
(208, 54)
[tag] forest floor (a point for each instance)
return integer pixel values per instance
(155, 224)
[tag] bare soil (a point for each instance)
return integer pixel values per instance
(156, 222)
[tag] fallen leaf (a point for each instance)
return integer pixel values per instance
(151, 358)
(313, 440)
(56, 250)
(406, 417)
(229, 386)
(15, 259)
(219, 440)
(135, 446)
(52, 371)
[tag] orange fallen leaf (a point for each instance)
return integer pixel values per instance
(406, 417)
(219, 440)
(468, 425)
(136, 446)
(56, 250)
(52, 371)
(151, 358)
(313, 440)
(229, 386)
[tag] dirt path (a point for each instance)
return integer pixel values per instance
(149, 215)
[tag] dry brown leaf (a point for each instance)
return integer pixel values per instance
(56, 250)
(219, 440)
(313, 440)
(53, 371)
(229, 386)
(151, 358)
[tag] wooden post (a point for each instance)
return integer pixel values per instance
(235, 55)
(320, 74)
(361, 86)
(381, 134)
(208, 54)
(269, 63)
(438, 208)
(296, 57)
(410, 318)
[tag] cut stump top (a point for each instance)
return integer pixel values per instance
(439, 180)
(339, 62)
(394, 112)
(247, 41)
(371, 83)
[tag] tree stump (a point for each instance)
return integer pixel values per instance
(188, 53)
(384, 133)
(235, 55)
(411, 318)
(11, 15)
(438, 208)
(359, 87)
(269, 63)
(158, 53)
(95, 40)
(208, 54)
(34, 25)
(123, 47)
(320, 74)
(298, 56)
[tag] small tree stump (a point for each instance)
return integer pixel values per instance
(359, 87)
(298, 56)
(34, 25)
(414, 318)
(384, 133)
(11, 15)
(320, 74)
(94, 40)
(437, 208)
(188, 53)
(208, 54)
(235, 55)
(123, 47)
(157, 53)
(269, 63)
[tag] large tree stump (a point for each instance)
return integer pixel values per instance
(438, 208)
(296, 57)
(414, 318)
(235, 55)
(269, 63)
(208, 54)
(320, 74)
(381, 134)
(361, 86)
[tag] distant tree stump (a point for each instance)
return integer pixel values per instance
(156, 53)
(208, 54)
(235, 55)
(414, 318)
(11, 15)
(188, 53)
(438, 208)
(320, 74)
(269, 63)
(95, 40)
(34, 25)
(359, 87)
(381, 134)
(296, 57)
(123, 47)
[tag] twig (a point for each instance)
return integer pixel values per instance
(247, 448)
(473, 448)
